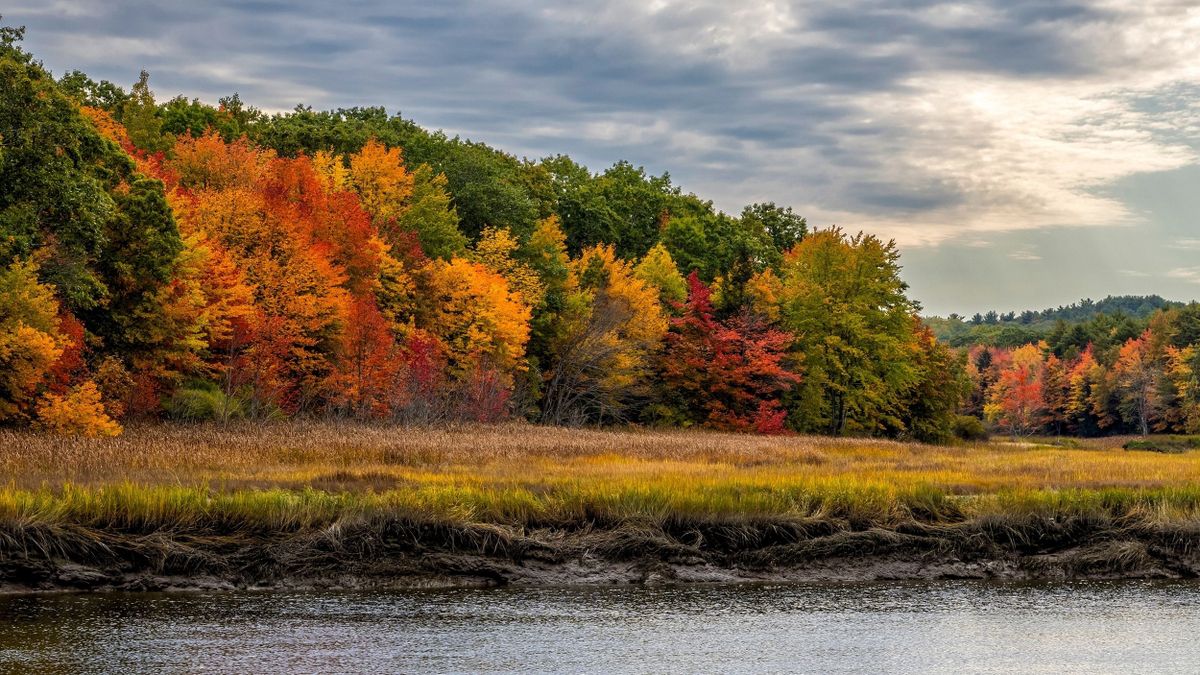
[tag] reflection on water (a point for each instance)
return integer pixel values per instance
(937, 627)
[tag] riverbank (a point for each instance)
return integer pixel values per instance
(319, 505)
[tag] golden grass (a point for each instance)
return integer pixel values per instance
(296, 475)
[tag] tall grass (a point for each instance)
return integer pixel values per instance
(292, 477)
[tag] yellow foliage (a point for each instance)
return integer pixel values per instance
(1029, 356)
(29, 340)
(763, 291)
(106, 125)
(477, 316)
(659, 270)
(26, 355)
(621, 316)
(233, 216)
(494, 250)
(378, 175)
(80, 413)
(332, 169)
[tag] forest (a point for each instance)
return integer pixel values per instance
(189, 261)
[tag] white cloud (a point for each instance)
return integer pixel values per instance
(1186, 244)
(1024, 255)
(1189, 274)
(1133, 273)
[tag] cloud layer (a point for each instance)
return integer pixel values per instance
(933, 122)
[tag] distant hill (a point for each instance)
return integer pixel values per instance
(1118, 313)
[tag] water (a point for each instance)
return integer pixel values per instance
(936, 627)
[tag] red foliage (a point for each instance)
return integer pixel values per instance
(368, 363)
(727, 374)
(70, 368)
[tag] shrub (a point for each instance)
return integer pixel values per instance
(204, 401)
(969, 428)
(1169, 444)
(79, 413)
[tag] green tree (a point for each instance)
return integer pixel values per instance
(844, 300)
(431, 214)
(785, 228)
(141, 118)
(104, 235)
(659, 270)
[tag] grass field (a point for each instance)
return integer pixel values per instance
(296, 476)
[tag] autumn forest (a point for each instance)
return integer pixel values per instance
(180, 260)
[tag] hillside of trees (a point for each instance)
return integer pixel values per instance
(180, 260)
(191, 261)
(1074, 322)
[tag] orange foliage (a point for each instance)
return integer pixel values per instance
(79, 413)
(477, 316)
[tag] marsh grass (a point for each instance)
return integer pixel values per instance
(293, 477)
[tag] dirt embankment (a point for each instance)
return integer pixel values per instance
(397, 553)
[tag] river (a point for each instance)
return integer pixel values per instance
(949, 627)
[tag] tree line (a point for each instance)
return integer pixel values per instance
(1135, 377)
(193, 261)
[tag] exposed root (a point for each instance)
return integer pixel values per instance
(360, 551)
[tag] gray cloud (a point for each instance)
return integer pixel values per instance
(929, 121)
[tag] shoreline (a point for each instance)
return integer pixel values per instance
(412, 555)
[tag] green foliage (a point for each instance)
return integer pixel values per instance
(86, 91)
(231, 119)
(104, 235)
(141, 118)
(56, 171)
(785, 228)
(932, 405)
(1167, 444)
(969, 428)
(204, 401)
(844, 301)
(432, 216)
(1068, 329)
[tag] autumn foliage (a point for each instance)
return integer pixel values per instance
(204, 262)
(726, 374)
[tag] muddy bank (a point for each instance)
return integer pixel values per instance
(393, 554)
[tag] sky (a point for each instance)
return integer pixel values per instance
(1023, 154)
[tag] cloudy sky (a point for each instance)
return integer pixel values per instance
(1024, 154)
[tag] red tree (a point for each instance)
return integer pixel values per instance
(726, 374)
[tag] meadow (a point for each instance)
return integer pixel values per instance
(296, 475)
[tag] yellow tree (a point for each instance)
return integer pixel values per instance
(658, 269)
(1183, 370)
(478, 318)
(843, 299)
(494, 250)
(332, 170)
(80, 412)
(29, 339)
(611, 326)
(383, 185)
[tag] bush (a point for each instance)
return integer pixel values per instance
(1168, 444)
(79, 413)
(968, 428)
(204, 401)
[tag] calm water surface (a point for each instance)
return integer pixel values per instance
(937, 627)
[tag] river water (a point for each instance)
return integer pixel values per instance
(949, 627)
